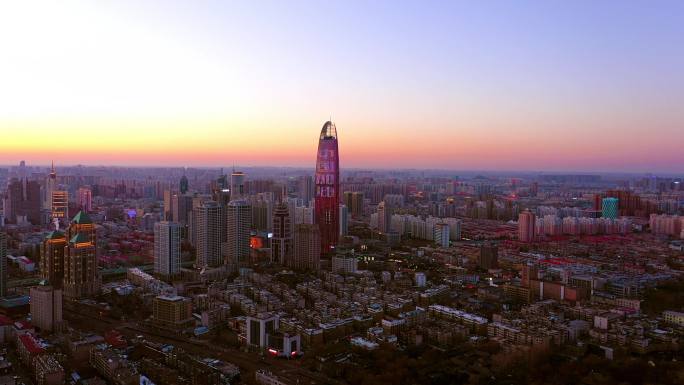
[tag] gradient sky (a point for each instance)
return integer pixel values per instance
(506, 85)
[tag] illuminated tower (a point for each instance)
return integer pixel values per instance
(81, 278)
(327, 197)
(52, 258)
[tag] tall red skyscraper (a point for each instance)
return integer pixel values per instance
(327, 199)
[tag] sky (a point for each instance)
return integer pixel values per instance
(496, 85)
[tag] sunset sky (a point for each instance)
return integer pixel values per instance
(509, 85)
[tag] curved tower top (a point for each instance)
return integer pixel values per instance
(329, 131)
(327, 180)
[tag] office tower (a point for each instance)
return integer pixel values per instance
(306, 189)
(167, 206)
(46, 308)
(262, 212)
(282, 234)
(489, 257)
(303, 214)
(167, 249)
(327, 198)
(81, 277)
(23, 202)
(526, 226)
(441, 234)
(347, 198)
(384, 217)
(609, 208)
(50, 186)
(181, 207)
(60, 204)
(306, 253)
(85, 199)
(51, 264)
(3, 265)
(208, 227)
(239, 214)
(183, 185)
(237, 185)
(344, 220)
(357, 204)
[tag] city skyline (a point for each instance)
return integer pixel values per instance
(448, 86)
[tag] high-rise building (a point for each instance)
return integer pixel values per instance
(306, 189)
(23, 201)
(85, 199)
(81, 278)
(384, 217)
(526, 226)
(262, 212)
(327, 181)
(237, 185)
(52, 251)
(3, 265)
(239, 214)
(46, 308)
(306, 254)
(183, 185)
(167, 237)
(344, 220)
(60, 204)
(609, 208)
(282, 234)
(50, 186)
(181, 207)
(208, 238)
(489, 257)
(442, 232)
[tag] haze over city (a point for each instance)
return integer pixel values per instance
(523, 85)
(341, 192)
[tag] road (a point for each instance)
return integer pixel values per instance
(248, 362)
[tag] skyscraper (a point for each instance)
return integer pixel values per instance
(239, 221)
(305, 189)
(52, 251)
(237, 185)
(384, 217)
(307, 248)
(282, 233)
(526, 226)
(50, 186)
(81, 278)
(23, 201)
(208, 238)
(183, 185)
(60, 204)
(327, 181)
(167, 249)
(344, 220)
(609, 207)
(3, 265)
(85, 199)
